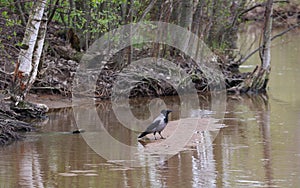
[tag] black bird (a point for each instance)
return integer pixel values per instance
(158, 124)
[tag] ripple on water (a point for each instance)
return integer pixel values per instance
(66, 174)
(73, 173)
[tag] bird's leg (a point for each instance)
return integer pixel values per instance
(161, 135)
(154, 135)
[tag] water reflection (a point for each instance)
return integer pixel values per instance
(251, 151)
(108, 136)
(245, 153)
(259, 147)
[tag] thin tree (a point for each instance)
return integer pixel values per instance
(257, 81)
(265, 52)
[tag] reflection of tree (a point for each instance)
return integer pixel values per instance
(263, 117)
(30, 170)
(204, 166)
(258, 105)
(193, 168)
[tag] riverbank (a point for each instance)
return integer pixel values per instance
(15, 119)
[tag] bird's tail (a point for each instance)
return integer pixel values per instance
(143, 134)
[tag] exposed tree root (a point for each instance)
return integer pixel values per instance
(12, 119)
(255, 82)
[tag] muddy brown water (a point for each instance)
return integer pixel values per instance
(259, 147)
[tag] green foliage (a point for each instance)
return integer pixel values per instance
(4, 14)
(9, 23)
(92, 18)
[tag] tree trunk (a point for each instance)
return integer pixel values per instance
(257, 81)
(265, 52)
(186, 18)
(29, 56)
(198, 15)
(20, 11)
(38, 51)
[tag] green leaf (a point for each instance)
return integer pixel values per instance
(4, 14)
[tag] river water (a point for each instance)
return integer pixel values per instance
(258, 147)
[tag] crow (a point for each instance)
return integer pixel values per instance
(157, 125)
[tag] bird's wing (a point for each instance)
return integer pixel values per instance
(153, 126)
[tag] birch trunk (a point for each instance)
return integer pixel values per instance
(38, 51)
(29, 56)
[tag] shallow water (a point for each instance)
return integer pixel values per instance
(259, 147)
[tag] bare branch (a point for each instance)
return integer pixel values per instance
(53, 11)
(4, 72)
(254, 7)
(21, 12)
(147, 10)
(242, 60)
(285, 31)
